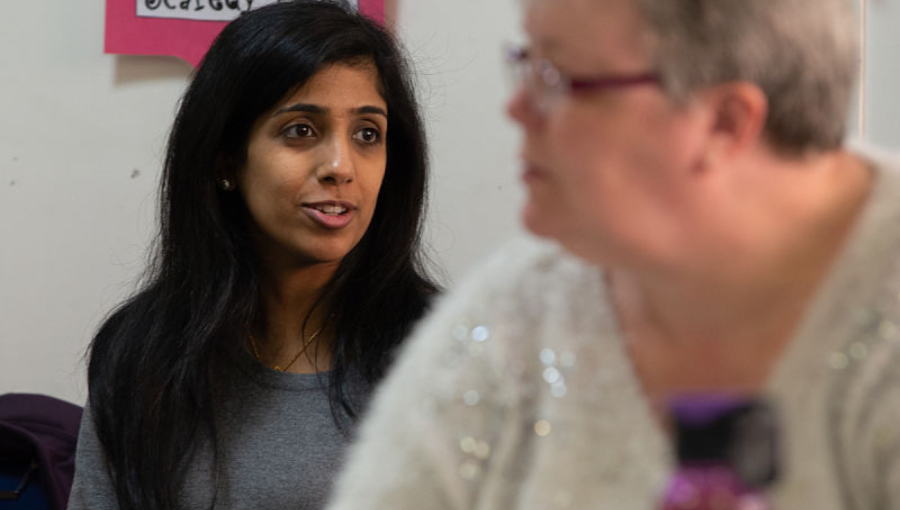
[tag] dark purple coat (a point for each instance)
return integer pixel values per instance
(46, 428)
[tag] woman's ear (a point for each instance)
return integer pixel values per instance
(739, 117)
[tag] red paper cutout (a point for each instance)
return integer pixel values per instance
(130, 34)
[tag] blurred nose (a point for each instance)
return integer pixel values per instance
(337, 163)
(521, 108)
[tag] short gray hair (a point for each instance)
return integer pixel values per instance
(803, 54)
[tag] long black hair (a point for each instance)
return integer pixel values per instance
(153, 362)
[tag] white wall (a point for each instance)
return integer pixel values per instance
(81, 140)
(80, 143)
(457, 48)
(881, 122)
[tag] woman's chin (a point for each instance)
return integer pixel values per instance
(539, 221)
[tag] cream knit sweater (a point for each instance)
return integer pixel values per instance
(516, 393)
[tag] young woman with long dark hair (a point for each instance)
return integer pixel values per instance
(286, 272)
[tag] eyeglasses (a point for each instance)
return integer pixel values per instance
(546, 84)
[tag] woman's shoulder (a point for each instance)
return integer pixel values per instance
(884, 166)
(525, 269)
(510, 301)
(526, 279)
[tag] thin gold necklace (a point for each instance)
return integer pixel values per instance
(296, 356)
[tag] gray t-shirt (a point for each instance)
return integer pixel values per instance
(279, 446)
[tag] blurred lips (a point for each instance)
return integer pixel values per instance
(532, 171)
(330, 214)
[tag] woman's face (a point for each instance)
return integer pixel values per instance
(314, 167)
(605, 169)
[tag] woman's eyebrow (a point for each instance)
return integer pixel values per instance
(371, 110)
(318, 110)
(301, 107)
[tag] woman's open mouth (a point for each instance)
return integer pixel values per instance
(330, 214)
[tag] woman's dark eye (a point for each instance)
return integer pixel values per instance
(299, 131)
(368, 135)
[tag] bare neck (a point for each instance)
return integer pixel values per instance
(735, 302)
(292, 319)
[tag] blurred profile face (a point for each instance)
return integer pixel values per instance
(604, 168)
(315, 163)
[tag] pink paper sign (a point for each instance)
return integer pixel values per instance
(183, 28)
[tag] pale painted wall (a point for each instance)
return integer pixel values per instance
(882, 73)
(81, 140)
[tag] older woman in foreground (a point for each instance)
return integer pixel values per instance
(712, 234)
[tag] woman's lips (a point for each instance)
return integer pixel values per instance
(531, 173)
(331, 214)
(531, 170)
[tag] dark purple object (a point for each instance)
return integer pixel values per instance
(727, 451)
(46, 429)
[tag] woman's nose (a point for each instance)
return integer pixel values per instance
(521, 108)
(337, 165)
